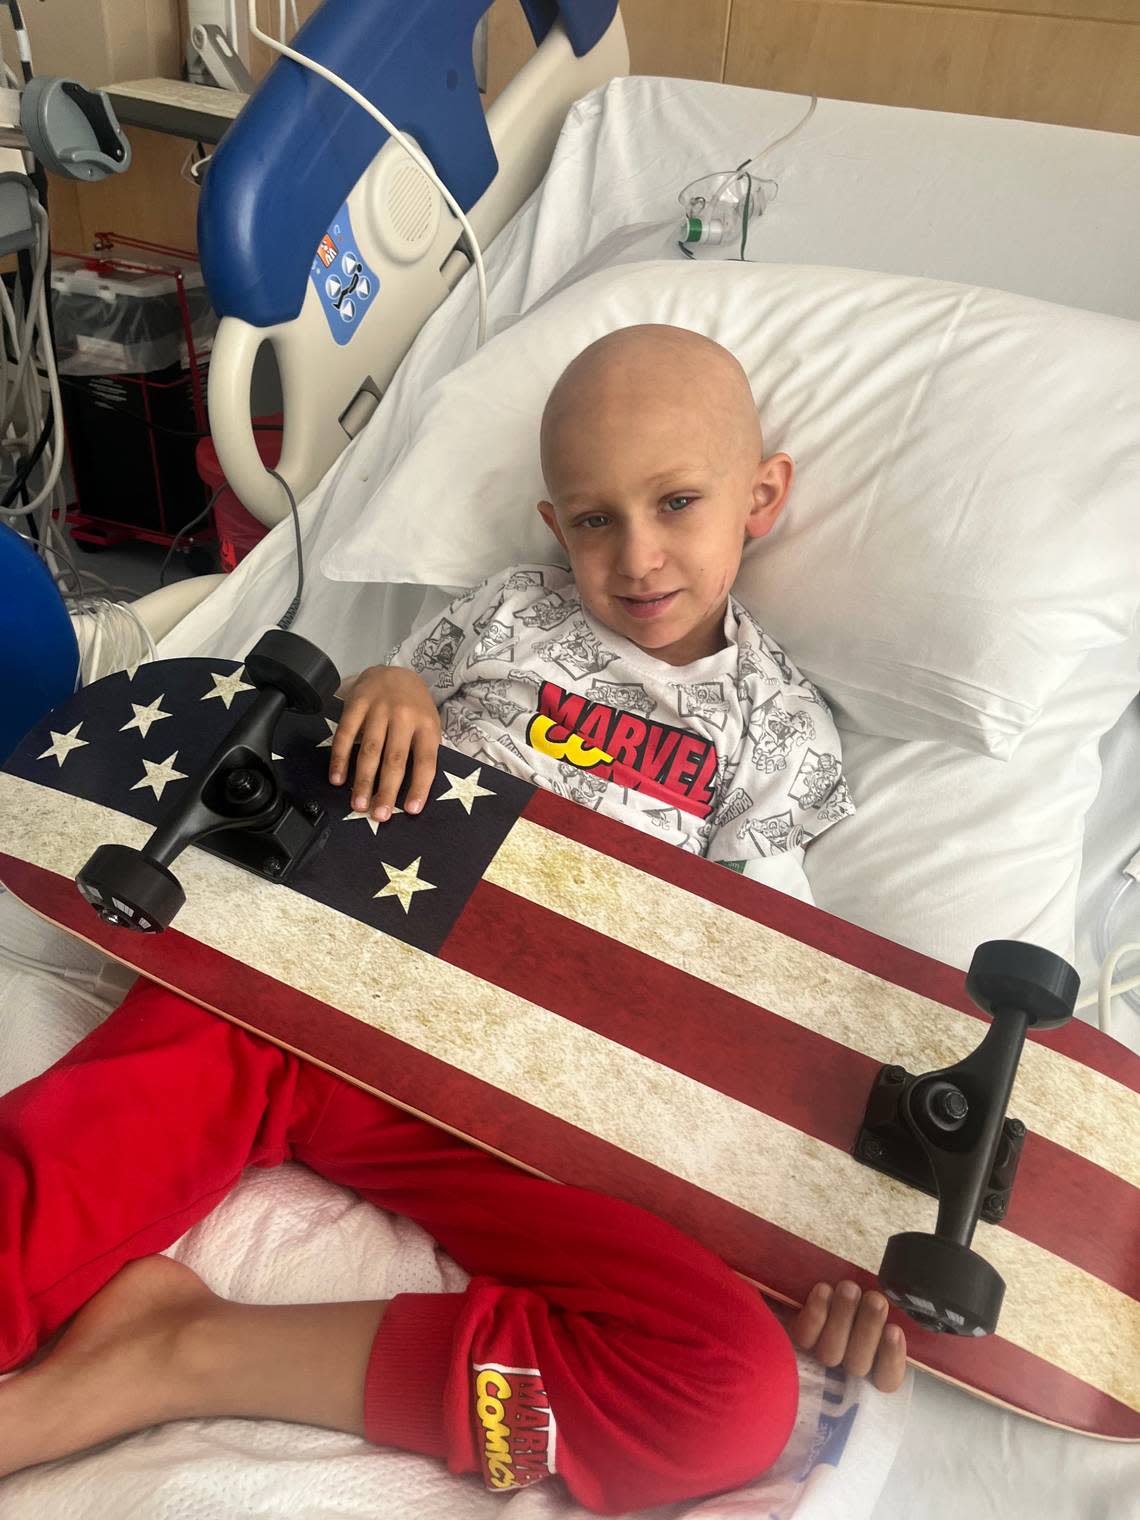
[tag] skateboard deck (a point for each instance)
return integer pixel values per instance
(601, 1008)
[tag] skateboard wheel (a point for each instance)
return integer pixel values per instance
(299, 669)
(1006, 974)
(127, 889)
(941, 1284)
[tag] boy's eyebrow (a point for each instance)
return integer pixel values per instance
(681, 473)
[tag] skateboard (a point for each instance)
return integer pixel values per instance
(598, 1007)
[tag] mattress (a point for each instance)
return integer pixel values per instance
(1050, 212)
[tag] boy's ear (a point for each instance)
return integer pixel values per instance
(546, 512)
(770, 487)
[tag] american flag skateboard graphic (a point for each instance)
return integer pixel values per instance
(604, 1009)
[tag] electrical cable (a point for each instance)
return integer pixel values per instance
(787, 136)
(76, 384)
(286, 621)
(25, 471)
(32, 338)
(24, 340)
(294, 606)
(417, 155)
(111, 637)
(1110, 957)
(1106, 991)
(187, 529)
(112, 977)
(23, 45)
(1103, 933)
(55, 465)
(34, 169)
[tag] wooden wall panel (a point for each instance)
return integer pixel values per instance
(261, 57)
(685, 39)
(1079, 10)
(509, 44)
(149, 201)
(983, 61)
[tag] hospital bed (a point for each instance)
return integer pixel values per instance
(1043, 211)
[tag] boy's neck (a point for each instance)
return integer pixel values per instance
(707, 638)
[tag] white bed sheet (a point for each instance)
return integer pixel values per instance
(1045, 211)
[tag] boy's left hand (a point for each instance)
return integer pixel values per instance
(843, 1326)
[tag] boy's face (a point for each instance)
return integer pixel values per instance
(652, 455)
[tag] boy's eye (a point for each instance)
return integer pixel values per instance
(679, 503)
(595, 520)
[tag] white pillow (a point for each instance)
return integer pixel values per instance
(947, 849)
(964, 526)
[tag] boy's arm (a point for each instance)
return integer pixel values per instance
(391, 710)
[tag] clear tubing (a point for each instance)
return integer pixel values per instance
(1102, 936)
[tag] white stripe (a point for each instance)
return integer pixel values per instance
(1081, 1109)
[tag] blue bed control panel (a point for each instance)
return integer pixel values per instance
(299, 145)
(344, 282)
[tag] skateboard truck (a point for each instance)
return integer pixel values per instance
(237, 808)
(946, 1132)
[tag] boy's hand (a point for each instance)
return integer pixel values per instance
(392, 714)
(842, 1325)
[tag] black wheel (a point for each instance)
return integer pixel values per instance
(127, 889)
(299, 669)
(942, 1285)
(1006, 974)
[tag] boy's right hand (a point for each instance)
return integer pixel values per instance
(392, 714)
(844, 1326)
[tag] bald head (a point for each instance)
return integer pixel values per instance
(647, 370)
(655, 469)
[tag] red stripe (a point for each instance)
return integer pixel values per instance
(1061, 1201)
(811, 926)
(516, 1128)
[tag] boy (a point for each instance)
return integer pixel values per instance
(594, 1340)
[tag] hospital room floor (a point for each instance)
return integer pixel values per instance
(132, 567)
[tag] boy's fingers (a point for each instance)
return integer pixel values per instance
(343, 740)
(809, 1322)
(831, 1346)
(423, 772)
(391, 774)
(866, 1333)
(890, 1364)
(372, 745)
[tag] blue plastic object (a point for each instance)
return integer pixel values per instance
(287, 164)
(586, 21)
(41, 657)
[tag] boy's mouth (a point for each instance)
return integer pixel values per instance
(648, 606)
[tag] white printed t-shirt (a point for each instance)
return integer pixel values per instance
(734, 757)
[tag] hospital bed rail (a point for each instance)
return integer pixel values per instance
(335, 252)
(329, 388)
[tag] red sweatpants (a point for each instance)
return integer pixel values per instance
(594, 1340)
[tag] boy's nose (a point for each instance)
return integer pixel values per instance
(640, 553)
